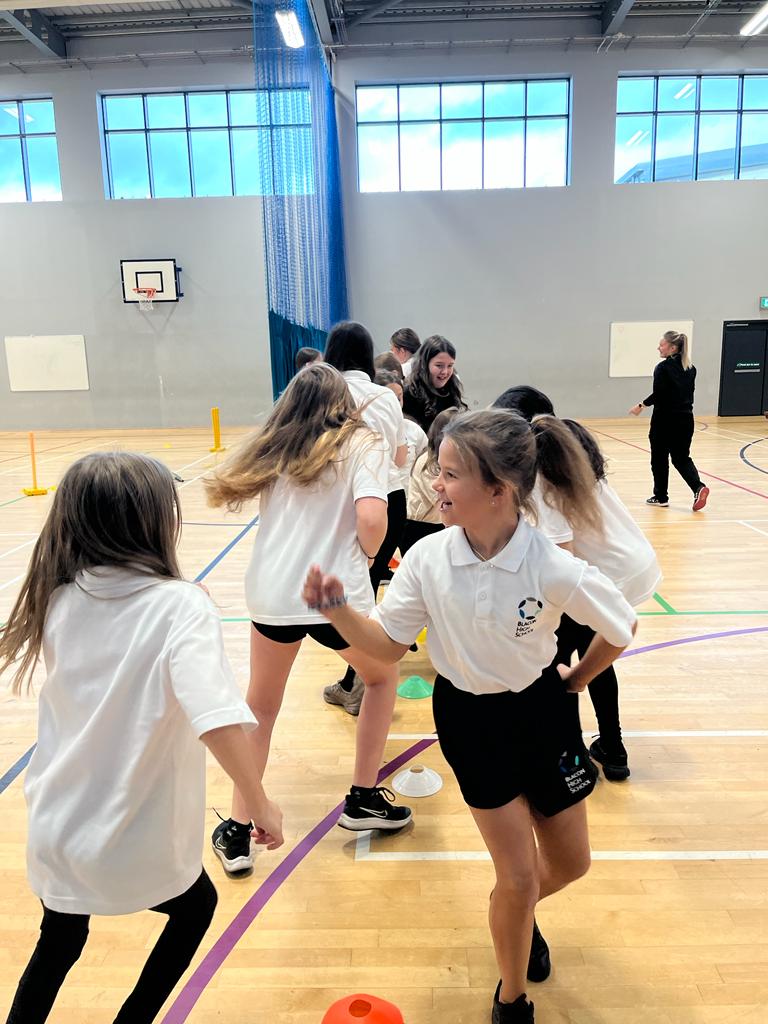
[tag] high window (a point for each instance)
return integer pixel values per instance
(227, 143)
(691, 128)
(29, 158)
(463, 135)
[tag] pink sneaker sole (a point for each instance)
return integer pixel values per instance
(701, 499)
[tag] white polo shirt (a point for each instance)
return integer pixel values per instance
(301, 526)
(383, 413)
(116, 785)
(491, 625)
(622, 552)
(407, 366)
(416, 440)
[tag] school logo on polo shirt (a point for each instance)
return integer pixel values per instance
(527, 611)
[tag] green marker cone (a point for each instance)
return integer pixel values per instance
(414, 688)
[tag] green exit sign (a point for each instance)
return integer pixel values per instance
(764, 302)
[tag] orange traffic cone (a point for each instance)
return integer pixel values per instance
(394, 562)
(362, 1009)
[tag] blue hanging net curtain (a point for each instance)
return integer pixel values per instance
(299, 156)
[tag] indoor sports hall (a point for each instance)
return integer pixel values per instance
(193, 190)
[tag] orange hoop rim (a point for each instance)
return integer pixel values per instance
(148, 293)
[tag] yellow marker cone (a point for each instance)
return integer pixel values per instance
(34, 489)
(216, 431)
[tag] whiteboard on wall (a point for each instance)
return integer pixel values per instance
(634, 345)
(40, 362)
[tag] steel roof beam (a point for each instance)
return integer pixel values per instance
(615, 14)
(38, 30)
(379, 8)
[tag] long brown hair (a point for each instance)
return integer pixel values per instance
(505, 448)
(110, 509)
(306, 432)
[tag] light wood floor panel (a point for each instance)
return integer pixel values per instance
(635, 942)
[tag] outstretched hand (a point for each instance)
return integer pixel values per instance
(636, 409)
(321, 592)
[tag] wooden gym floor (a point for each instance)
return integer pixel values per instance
(669, 927)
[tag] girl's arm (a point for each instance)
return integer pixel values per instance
(326, 593)
(371, 517)
(231, 748)
(597, 657)
(401, 455)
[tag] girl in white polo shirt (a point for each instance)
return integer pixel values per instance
(136, 676)
(321, 475)
(491, 590)
(619, 549)
(350, 349)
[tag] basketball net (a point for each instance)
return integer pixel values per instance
(146, 295)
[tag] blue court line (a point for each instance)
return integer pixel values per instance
(212, 565)
(16, 769)
(744, 459)
(188, 522)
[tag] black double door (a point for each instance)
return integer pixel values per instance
(743, 376)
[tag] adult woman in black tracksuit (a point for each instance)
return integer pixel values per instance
(671, 433)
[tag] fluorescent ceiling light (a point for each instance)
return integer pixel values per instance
(290, 28)
(757, 23)
(639, 134)
(685, 91)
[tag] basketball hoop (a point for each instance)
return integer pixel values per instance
(146, 295)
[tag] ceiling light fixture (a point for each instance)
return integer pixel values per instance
(290, 28)
(756, 23)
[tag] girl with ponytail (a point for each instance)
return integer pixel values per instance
(491, 591)
(671, 433)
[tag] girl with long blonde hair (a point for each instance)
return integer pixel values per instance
(321, 476)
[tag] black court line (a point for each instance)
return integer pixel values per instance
(744, 458)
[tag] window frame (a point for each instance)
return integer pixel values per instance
(738, 111)
(21, 135)
(270, 127)
(482, 120)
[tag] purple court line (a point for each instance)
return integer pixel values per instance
(711, 476)
(204, 973)
(232, 934)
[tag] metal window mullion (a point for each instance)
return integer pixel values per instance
(399, 147)
(568, 133)
(696, 124)
(654, 124)
(440, 132)
(189, 146)
(525, 134)
(482, 136)
(231, 150)
(150, 172)
(23, 149)
(739, 116)
(107, 153)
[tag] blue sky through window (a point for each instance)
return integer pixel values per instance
(241, 142)
(29, 158)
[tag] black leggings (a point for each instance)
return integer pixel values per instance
(670, 436)
(603, 690)
(397, 511)
(415, 530)
(63, 937)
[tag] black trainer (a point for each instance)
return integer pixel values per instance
(539, 962)
(519, 1012)
(614, 760)
(661, 502)
(373, 808)
(231, 843)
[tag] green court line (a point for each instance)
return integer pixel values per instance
(14, 500)
(664, 604)
(751, 611)
(246, 619)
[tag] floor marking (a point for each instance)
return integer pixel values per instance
(186, 522)
(632, 734)
(711, 476)
(751, 527)
(664, 604)
(743, 457)
(14, 500)
(27, 544)
(225, 551)
(363, 853)
(16, 769)
(14, 580)
(750, 611)
(191, 992)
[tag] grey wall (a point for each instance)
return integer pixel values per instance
(60, 274)
(526, 282)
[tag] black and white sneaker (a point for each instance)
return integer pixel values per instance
(231, 842)
(659, 502)
(373, 808)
